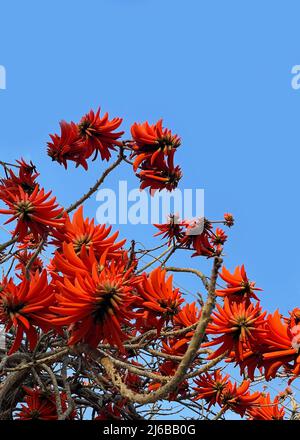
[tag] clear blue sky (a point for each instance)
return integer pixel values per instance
(218, 72)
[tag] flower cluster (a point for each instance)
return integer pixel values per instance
(218, 389)
(159, 300)
(153, 149)
(25, 307)
(94, 296)
(254, 340)
(93, 135)
(34, 213)
(197, 235)
(25, 178)
(40, 405)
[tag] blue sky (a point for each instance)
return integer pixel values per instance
(219, 73)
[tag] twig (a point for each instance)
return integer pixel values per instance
(94, 188)
(190, 270)
(56, 390)
(8, 243)
(155, 260)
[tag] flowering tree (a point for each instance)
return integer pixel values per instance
(93, 335)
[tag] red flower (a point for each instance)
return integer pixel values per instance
(252, 358)
(162, 175)
(34, 213)
(4, 282)
(71, 264)
(239, 288)
(215, 388)
(24, 257)
(275, 348)
(29, 242)
(98, 135)
(265, 409)
(111, 411)
(40, 405)
(25, 307)
(210, 387)
(96, 304)
(83, 232)
(239, 326)
(238, 398)
(152, 143)
(173, 230)
(198, 237)
(26, 179)
(28, 169)
(187, 316)
(159, 300)
(174, 347)
(68, 146)
(229, 220)
(283, 346)
(132, 380)
(219, 237)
